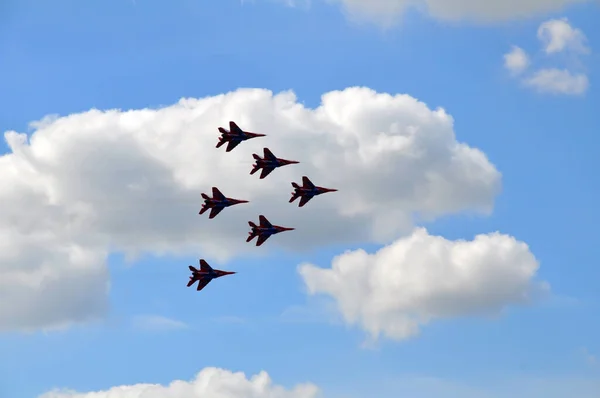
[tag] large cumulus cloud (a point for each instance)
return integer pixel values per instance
(91, 183)
(421, 278)
(209, 383)
(221, 383)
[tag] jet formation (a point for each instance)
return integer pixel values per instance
(265, 229)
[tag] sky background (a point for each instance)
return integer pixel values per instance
(64, 57)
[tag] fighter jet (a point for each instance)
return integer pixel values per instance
(307, 191)
(218, 202)
(234, 136)
(205, 274)
(268, 163)
(264, 230)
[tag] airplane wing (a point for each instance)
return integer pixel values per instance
(264, 222)
(268, 155)
(234, 128)
(204, 265)
(232, 144)
(304, 200)
(261, 239)
(266, 171)
(202, 283)
(307, 183)
(217, 194)
(214, 211)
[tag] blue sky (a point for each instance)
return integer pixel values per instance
(66, 57)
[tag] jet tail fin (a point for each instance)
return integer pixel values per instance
(192, 268)
(252, 234)
(294, 196)
(295, 185)
(222, 139)
(254, 169)
(255, 156)
(205, 196)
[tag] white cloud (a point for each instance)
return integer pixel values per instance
(557, 35)
(209, 383)
(421, 278)
(388, 12)
(558, 81)
(157, 323)
(220, 383)
(96, 182)
(516, 61)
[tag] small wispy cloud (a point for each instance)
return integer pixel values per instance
(516, 61)
(558, 81)
(157, 323)
(590, 358)
(558, 35)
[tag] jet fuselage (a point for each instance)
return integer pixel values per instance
(308, 191)
(212, 274)
(214, 202)
(230, 135)
(224, 202)
(270, 163)
(314, 191)
(271, 230)
(243, 136)
(267, 231)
